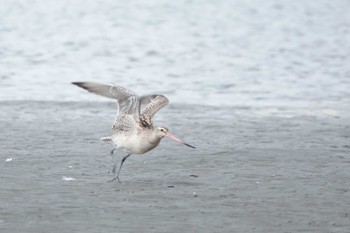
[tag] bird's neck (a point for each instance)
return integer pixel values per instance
(154, 138)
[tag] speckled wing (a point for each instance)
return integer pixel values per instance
(128, 103)
(124, 123)
(150, 105)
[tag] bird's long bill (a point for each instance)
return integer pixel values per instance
(172, 137)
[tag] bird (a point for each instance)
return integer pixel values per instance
(133, 129)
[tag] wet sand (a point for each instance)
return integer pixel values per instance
(250, 172)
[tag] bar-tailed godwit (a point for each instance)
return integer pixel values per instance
(133, 128)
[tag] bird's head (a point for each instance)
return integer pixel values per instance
(162, 132)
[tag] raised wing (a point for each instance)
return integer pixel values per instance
(128, 102)
(124, 122)
(106, 90)
(150, 105)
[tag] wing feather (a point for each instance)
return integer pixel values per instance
(150, 105)
(128, 102)
(132, 110)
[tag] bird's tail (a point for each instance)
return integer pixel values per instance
(106, 139)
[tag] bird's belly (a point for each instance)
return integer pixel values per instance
(135, 144)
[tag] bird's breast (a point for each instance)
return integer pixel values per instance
(136, 144)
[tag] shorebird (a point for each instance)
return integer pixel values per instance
(133, 128)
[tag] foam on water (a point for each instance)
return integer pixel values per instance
(65, 178)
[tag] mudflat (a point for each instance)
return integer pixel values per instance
(251, 172)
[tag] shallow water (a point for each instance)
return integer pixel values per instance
(197, 52)
(261, 89)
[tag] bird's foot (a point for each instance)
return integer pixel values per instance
(114, 179)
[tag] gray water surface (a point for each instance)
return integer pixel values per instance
(214, 53)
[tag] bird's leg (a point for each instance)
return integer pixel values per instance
(112, 151)
(114, 159)
(114, 166)
(121, 164)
